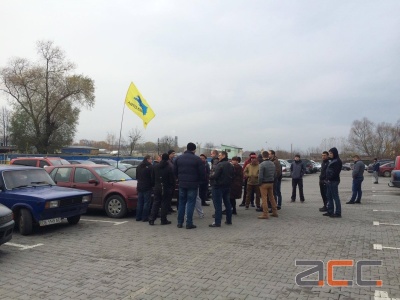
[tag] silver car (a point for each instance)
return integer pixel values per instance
(285, 168)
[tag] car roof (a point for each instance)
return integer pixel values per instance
(17, 167)
(82, 165)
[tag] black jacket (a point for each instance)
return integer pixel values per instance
(335, 166)
(143, 176)
(163, 175)
(324, 165)
(189, 169)
(223, 174)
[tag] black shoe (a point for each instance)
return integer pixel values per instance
(259, 209)
(293, 200)
(145, 220)
(213, 216)
(228, 223)
(278, 208)
(191, 226)
(242, 204)
(205, 204)
(376, 182)
(327, 214)
(302, 201)
(171, 210)
(323, 209)
(151, 222)
(179, 225)
(224, 212)
(165, 222)
(234, 212)
(350, 202)
(138, 220)
(335, 216)
(357, 202)
(270, 211)
(214, 225)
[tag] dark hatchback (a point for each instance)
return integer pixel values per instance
(6, 224)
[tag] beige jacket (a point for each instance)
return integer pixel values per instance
(251, 172)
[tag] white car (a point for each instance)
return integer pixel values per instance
(285, 168)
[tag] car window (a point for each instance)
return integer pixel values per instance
(131, 172)
(83, 175)
(61, 174)
(25, 162)
(112, 174)
(43, 163)
(59, 162)
(22, 178)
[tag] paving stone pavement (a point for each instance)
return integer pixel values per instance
(252, 259)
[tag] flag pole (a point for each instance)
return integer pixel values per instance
(120, 133)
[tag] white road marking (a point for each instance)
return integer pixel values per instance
(382, 295)
(23, 247)
(387, 210)
(115, 223)
(389, 224)
(380, 247)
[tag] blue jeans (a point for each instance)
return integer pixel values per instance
(219, 195)
(332, 194)
(143, 206)
(356, 189)
(277, 192)
(187, 202)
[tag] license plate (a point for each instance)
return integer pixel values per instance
(50, 221)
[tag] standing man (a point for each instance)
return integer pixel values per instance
(297, 169)
(266, 179)
(222, 179)
(251, 174)
(358, 178)
(189, 169)
(332, 184)
(277, 178)
(144, 186)
(375, 170)
(203, 187)
(163, 181)
(322, 180)
(171, 156)
(237, 183)
(246, 162)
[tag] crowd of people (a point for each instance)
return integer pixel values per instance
(257, 184)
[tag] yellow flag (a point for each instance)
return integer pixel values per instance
(136, 103)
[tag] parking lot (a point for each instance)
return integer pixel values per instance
(104, 258)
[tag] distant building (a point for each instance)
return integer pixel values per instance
(232, 151)
(80, 150)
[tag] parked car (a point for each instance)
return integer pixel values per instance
(6, 224)
(113, 190)
(285, 168)
(81, 162)
(109, 162)
(131, 171)
(347, 166)
(317, 165)
(385, 170)
(39, 161)
(35, 199)
(381, 162)
(307, 164)
(395, 176)
(132, 162)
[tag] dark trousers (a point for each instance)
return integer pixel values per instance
(233, 204)
(244, 193)
(203, 189)
(277, 193)
(356, 189)
(295, 183)
(322, 190)
(161, 199)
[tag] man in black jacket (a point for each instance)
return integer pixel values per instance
(322, 178)
(189, 169)
(164, 183)
(332, 184)
(144, 186)
(221, 178)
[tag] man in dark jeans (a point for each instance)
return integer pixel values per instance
(322, 179)
(297, 169)
(332, 184)
(358, 178)
(203, 187)
(144, 187)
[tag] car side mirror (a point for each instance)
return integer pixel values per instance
(93, 181)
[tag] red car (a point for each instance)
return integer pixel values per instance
(113, 190)
(386, 169)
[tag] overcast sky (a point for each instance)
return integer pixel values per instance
(255, 74)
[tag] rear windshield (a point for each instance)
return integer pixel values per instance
(59, 162)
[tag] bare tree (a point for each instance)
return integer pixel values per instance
(5, 124)
(166, 143)
(46, 98)
(111, 140)
(135, 136)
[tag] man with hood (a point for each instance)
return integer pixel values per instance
(222, 179)
(164, 183)
(189, 169)
(334, 209)
(144, 187)
(297, 169)
(322, 180)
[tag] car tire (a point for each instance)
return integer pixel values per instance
(25, 224)
(386, 174)
(74, 220)
(115, 207)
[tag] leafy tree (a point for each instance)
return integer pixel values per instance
(47, 97)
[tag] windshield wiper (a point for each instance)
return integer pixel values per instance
(21, 186)
(41, 182)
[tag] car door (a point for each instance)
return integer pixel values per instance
(80, 180)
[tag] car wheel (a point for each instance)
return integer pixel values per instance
(25, 225)
(115, 207)
(74, 220)
(386, 174)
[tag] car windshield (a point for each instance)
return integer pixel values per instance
(112, 174)
(59, 162)
(26, 178)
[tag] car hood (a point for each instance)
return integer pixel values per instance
(128, 183)
(48, 192)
